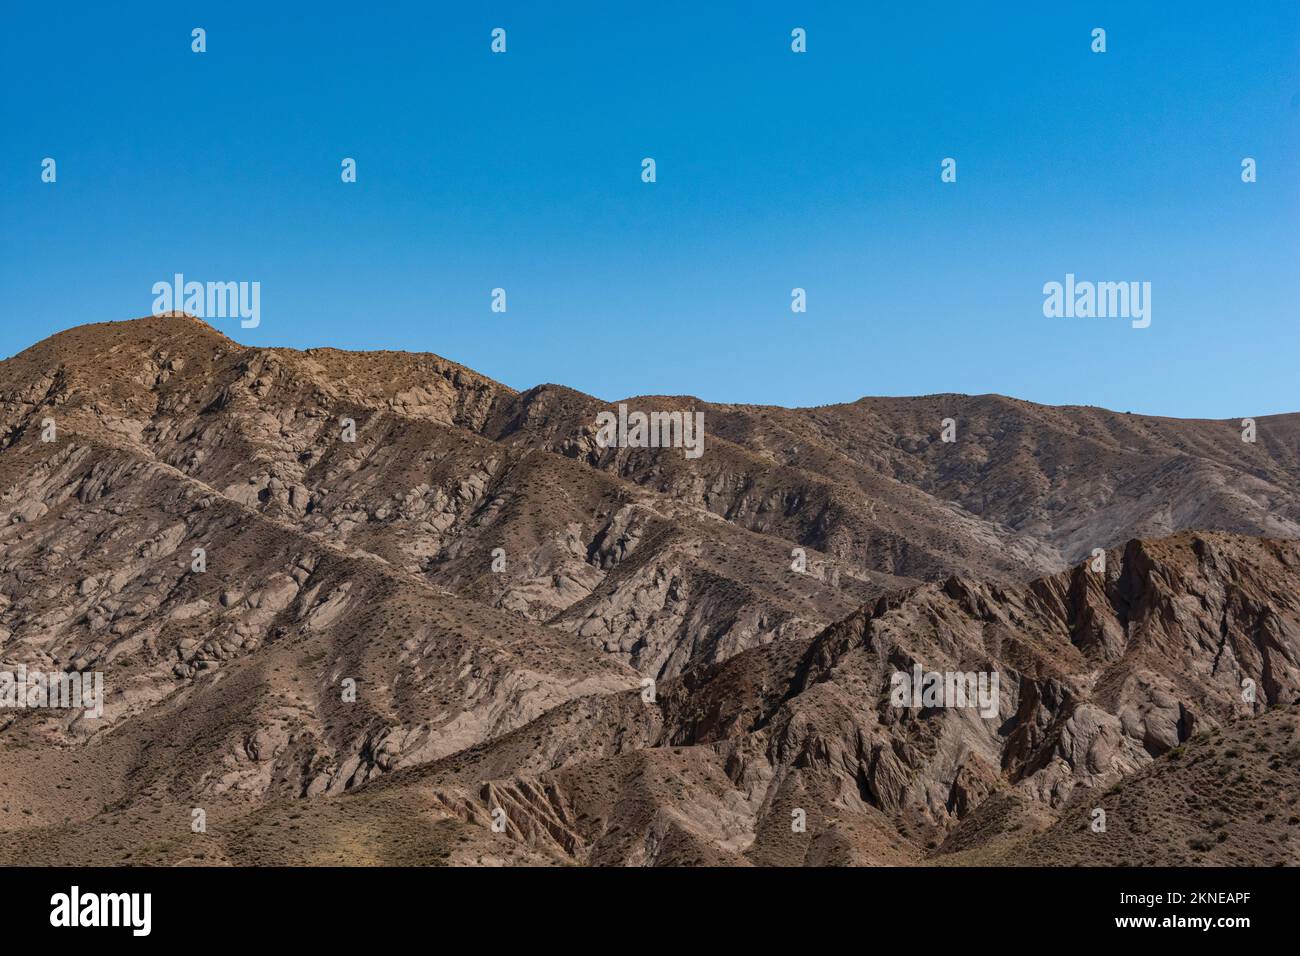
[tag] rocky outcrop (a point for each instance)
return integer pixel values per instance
(810, 725)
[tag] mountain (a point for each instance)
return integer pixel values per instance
(432, 620)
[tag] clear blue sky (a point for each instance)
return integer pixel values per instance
(775, 170)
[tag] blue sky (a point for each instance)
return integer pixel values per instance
(775, 170)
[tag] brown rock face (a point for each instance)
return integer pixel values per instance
(374, 607)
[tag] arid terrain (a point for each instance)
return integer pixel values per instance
(431, 620)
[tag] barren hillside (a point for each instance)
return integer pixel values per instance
(433, 621)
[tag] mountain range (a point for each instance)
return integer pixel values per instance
(375, 607)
